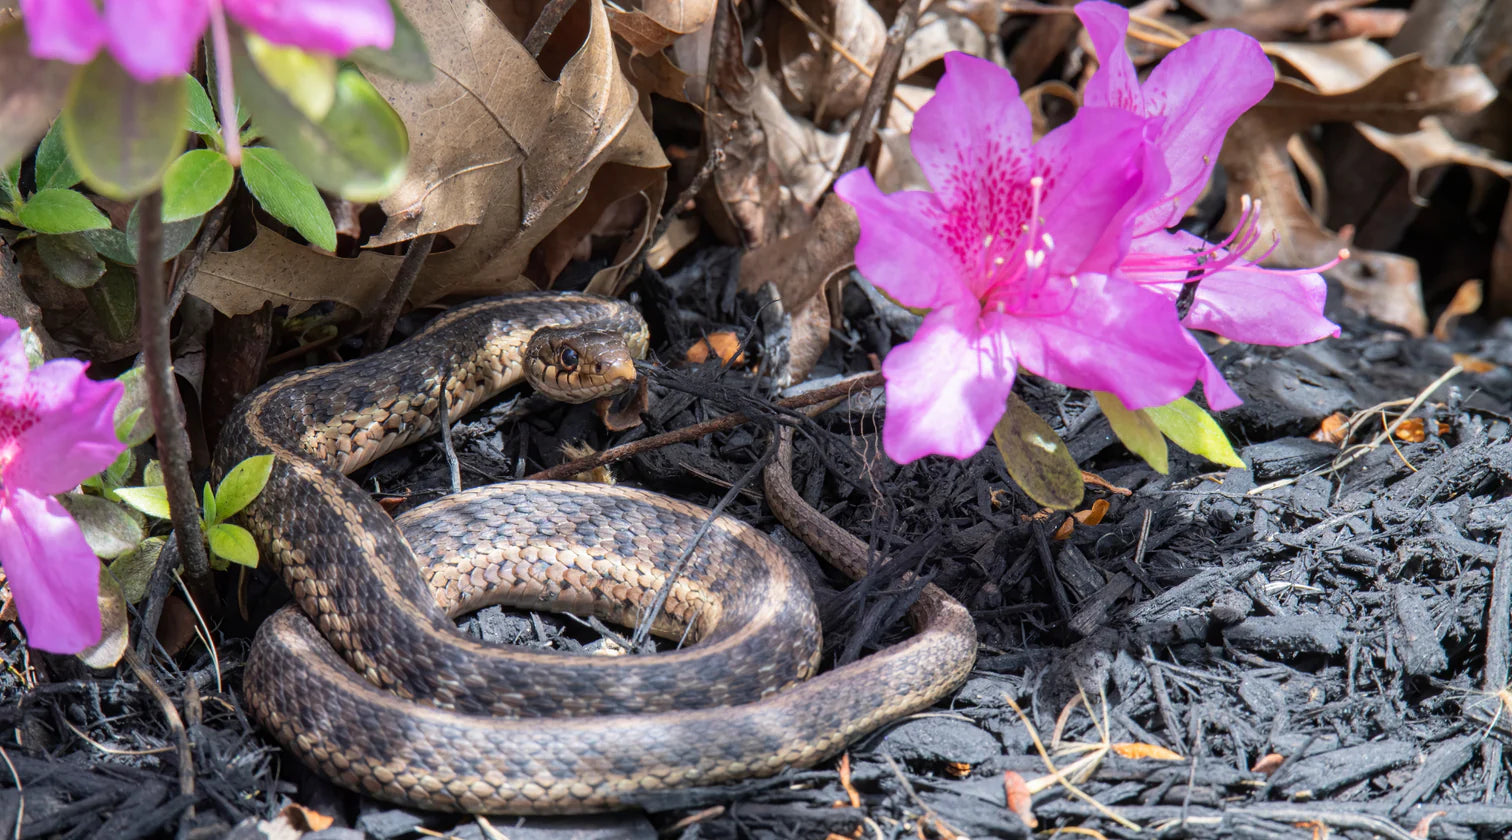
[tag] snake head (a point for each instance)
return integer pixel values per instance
(577, 365)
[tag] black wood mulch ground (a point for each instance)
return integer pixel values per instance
(1350, 624)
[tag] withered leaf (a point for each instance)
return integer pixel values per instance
(501, 154)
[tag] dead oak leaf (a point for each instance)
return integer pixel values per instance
(501, 154)
(1396, 99)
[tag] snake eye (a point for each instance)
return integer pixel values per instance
(569, 359)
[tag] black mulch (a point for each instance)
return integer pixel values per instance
(1351, 624)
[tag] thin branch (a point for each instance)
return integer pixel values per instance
(880, 91)
(398, 293)
(167, 410)
(187, 269)
(175, 725)
(546, 23)
(839, 390)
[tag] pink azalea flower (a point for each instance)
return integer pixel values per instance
(56, 429)
(1198, 91)
(1016, 253)
(156, 38)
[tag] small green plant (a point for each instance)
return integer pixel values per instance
(228, 543)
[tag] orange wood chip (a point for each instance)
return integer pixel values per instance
(1139, 749)
(1331, 430)
(1268, 764)
(306, 819)
(723, 344)
(1472, 364)
(1020, 802)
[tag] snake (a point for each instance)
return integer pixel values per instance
(365, 678)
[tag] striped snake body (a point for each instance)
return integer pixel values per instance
(366, 679)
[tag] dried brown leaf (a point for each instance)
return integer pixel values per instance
(1333, 66)
(1467, 300)
(1430, 146)
(748, 205)
(825, 83)
(656, 24)
(806, 157)
(800, 265)
(1395, 99)
(501, 155)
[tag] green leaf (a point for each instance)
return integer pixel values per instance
(1193, 429)
(234, 543)
(133, 571)
(133, 408)
(115, 474)
(121, 133)
(242, 484)
(71, 259)
(407, 59)
(152, 501)
(207, 506)
(1037, 458)
(200, 117)
(195, 183)
(176, 235)
(113, 245)
(308, 80)
(115, 627)
(31, 93)
(11, 178)
(359, 150)
(107, 527)
(1137, 431)
(113, 300)
(61, 211)
(288, 195)
(54, 170)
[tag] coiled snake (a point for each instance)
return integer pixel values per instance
(367, 680)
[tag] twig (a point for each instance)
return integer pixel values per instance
(1494, 681)
(167, 411)
(443, 417)
(643, 629)
(708, 427)
(175, 726)
(879, 92)
(1358, 452)
(1058, 775)
(545, 24)
(185, 271)
(20, 795)
(398, 292)
(689, 193)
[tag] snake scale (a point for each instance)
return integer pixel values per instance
(366, 679)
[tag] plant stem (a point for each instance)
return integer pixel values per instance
(163, 397)
(398, 292)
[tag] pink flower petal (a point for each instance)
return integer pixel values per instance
(330, 26)
(947, 387)
(1114, 336)
(1095, 167)
(153, 39)
(1115, 84)
(1244, 302)
(68, 30)
(72, 435)
(902, 248)
(973, 141)
(53, 575)
(1201, 89)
